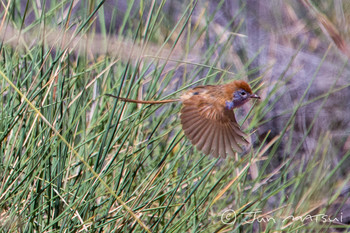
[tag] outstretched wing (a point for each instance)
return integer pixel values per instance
(211, 127)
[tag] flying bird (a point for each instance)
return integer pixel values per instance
(207, 116)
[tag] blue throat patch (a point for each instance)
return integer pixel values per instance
(229, 105)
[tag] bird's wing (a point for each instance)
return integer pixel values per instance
(211, 127)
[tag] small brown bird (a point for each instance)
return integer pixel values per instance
(207, 116)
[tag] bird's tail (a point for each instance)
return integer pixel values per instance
(144, 101)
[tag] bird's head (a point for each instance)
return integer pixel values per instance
(238, 93)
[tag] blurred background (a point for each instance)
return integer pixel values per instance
(128, 167)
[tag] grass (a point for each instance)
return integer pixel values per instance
(73, 159)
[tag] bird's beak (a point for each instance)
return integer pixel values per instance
(255, 96)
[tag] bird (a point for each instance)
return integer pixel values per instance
(207, 116)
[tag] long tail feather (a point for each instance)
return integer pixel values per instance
(144, 101)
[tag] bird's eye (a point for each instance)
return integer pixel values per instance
(243, 93)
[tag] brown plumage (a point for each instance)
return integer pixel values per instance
(208, 119)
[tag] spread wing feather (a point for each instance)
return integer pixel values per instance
(207, 142)
(211, 128)
(228, 142)
(204, 138)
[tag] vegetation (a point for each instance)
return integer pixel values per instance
(73, 159)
